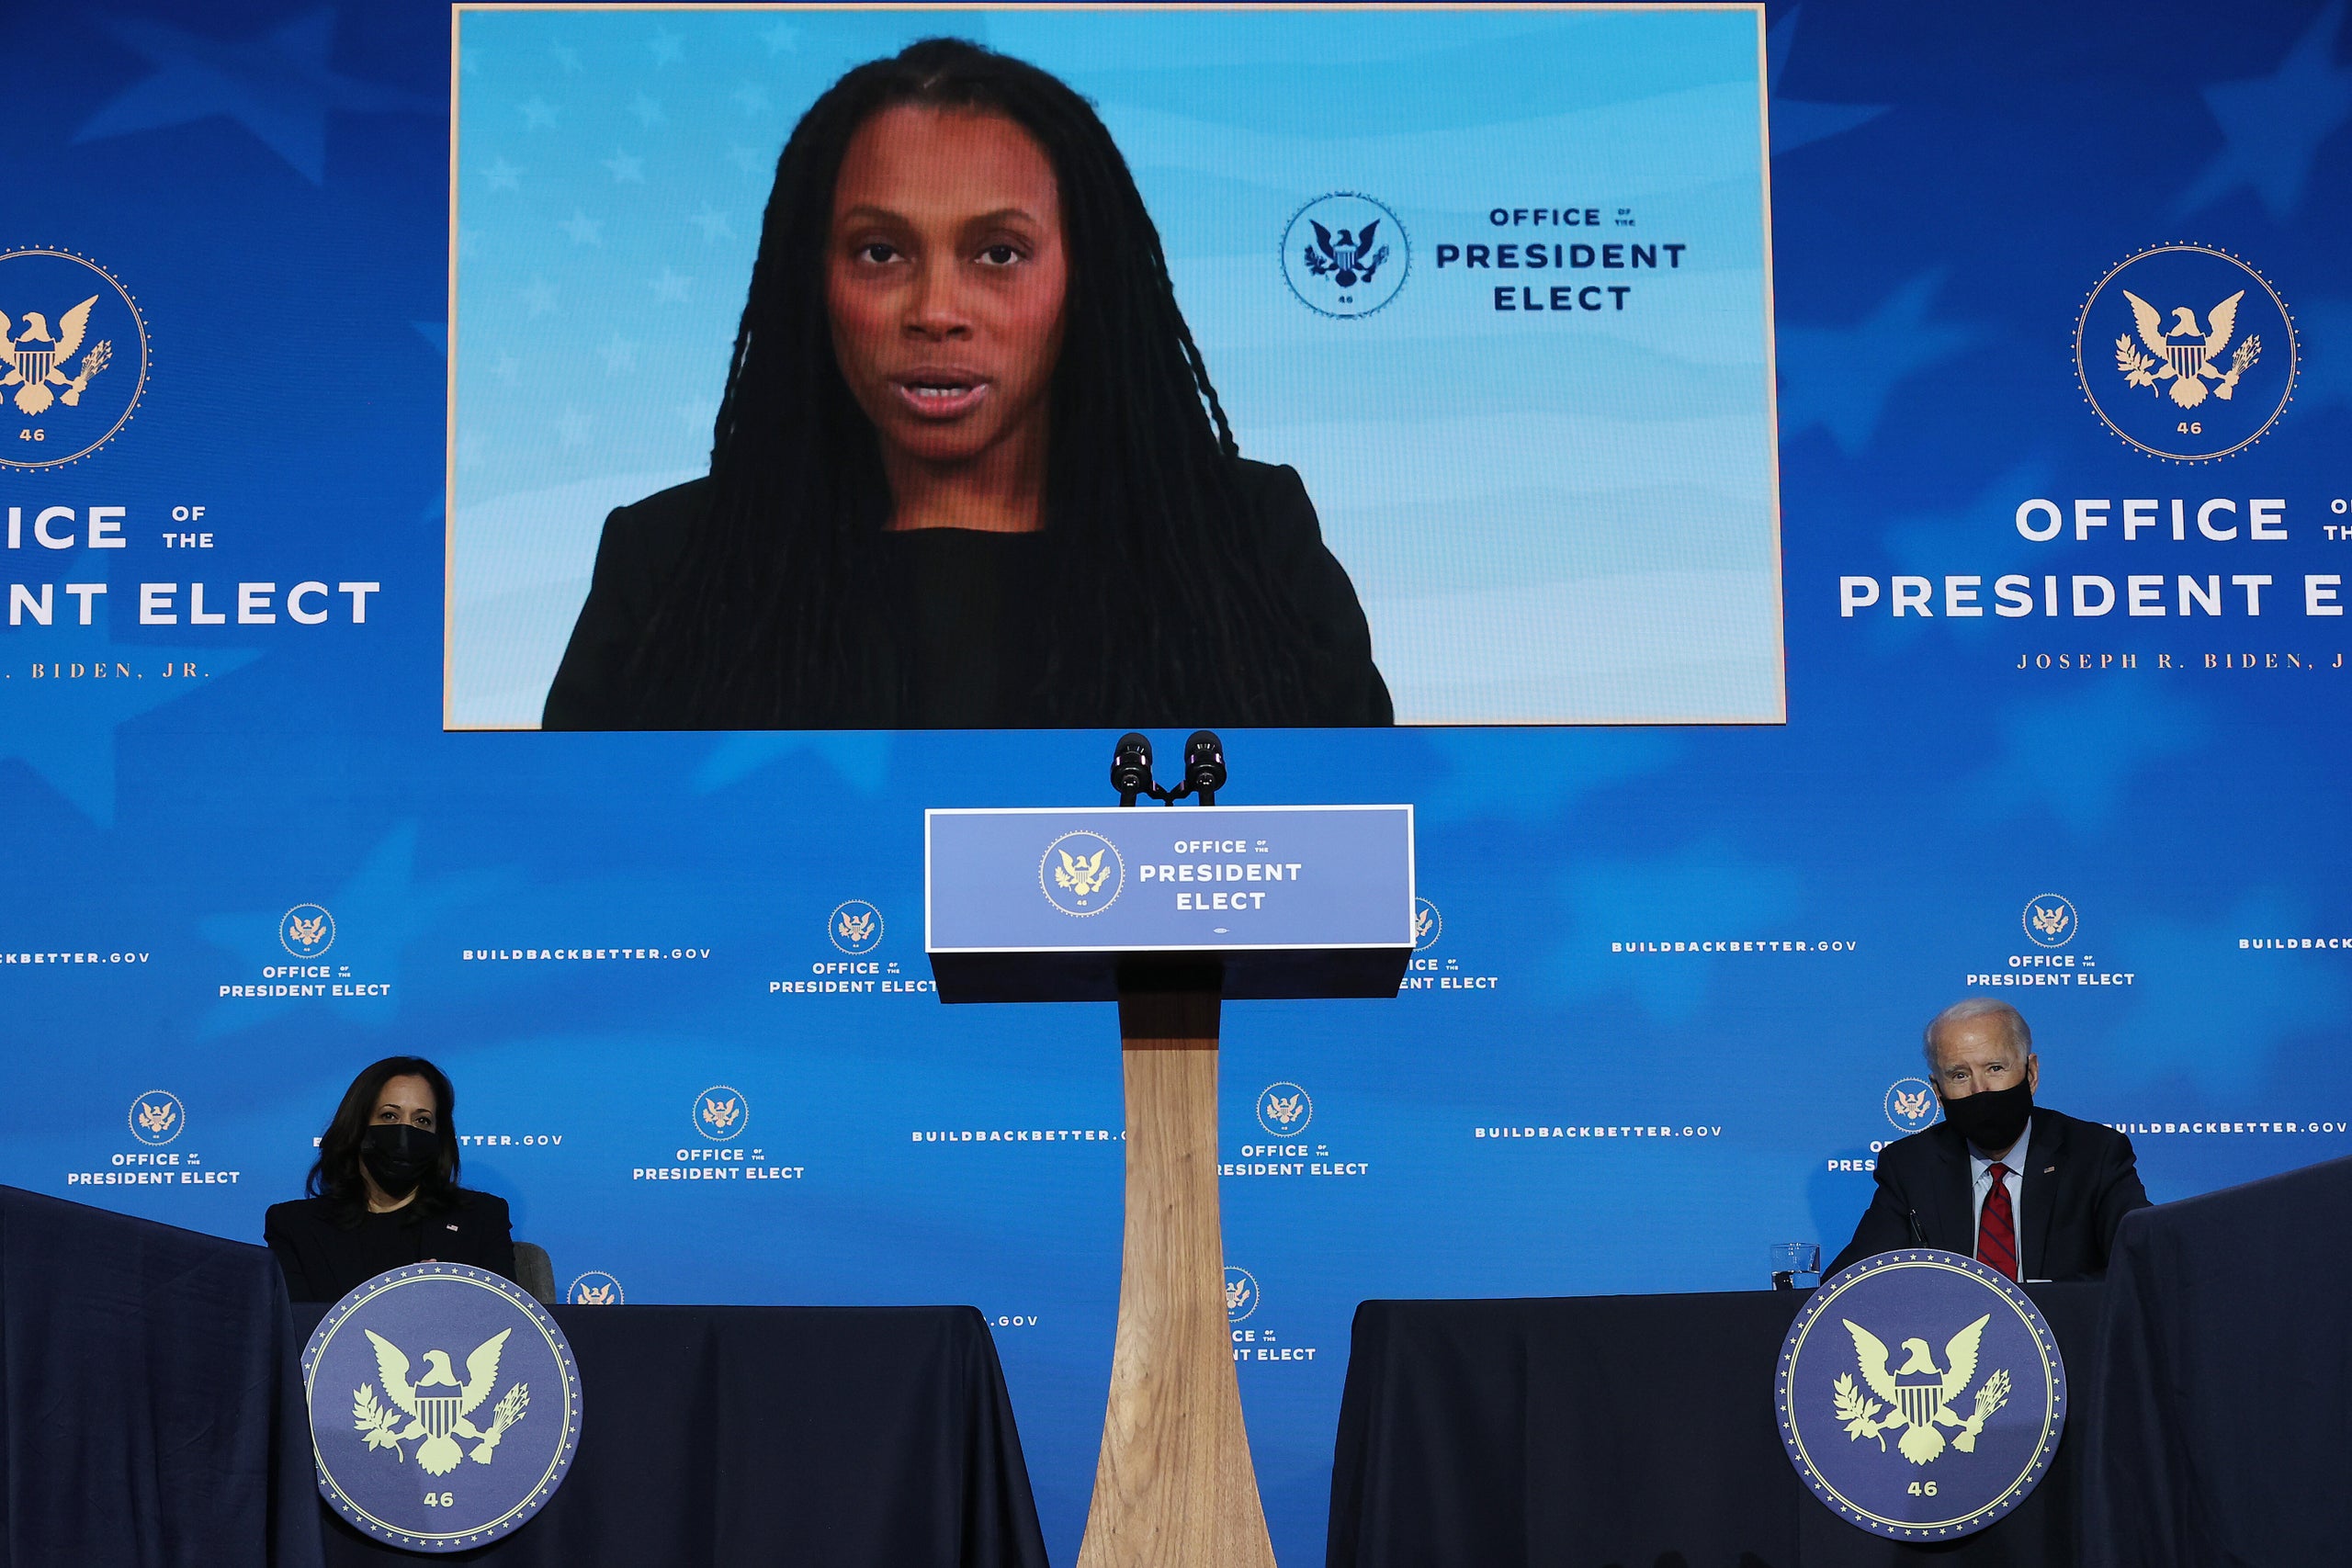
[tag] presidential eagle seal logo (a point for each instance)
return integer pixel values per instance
(1240, 1293)
(1911, 1105)
(306, 930)
(445, 1406)
(595, 1288)
(855, 926)
(2049, 920)
(1285, 1109)
(721, 1114)
(1081, 873)
(72, 357)
(1345, 255)
(2186, 352)
(1920, 1396)
(157, 1117)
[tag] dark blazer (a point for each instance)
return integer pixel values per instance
(644, 543)
(323, 1260)
(2080, 1180)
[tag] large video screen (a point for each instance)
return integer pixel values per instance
(879, 370)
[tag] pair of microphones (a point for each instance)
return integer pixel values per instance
(1203, 768)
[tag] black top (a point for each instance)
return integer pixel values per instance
(2081, 1180)
(324, 1260)
(971, 644)
(972, 632)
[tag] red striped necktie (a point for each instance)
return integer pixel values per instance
(1996, 1228)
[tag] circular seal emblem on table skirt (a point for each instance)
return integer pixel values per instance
(445, 1406)
(1920, 1396)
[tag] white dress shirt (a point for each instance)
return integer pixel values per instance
(1980, 1166)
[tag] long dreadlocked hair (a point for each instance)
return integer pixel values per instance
(1163, 606)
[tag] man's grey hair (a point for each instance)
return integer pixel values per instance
(2013, 1023)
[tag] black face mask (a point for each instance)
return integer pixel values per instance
(398, 1155)
(1992, 1118)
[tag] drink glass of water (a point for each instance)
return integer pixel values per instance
(1790, 1258)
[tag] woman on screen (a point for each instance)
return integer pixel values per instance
(968, 470)
(384, 1192)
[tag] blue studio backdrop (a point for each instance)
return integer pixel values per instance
(2059, 579)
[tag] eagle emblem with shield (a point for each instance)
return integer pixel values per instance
(38, 358)
(2187, 353)
(1345, 255)
(1920, 1396)
(1348, 258)
(73, 357)
(1081, 873)
(445, 1407)
(439, 1419)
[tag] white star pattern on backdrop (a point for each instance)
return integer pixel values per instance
(1840, 377)
(278, 86)
(2272, 126)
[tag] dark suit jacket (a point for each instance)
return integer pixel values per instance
(2080, 1181)
(324, 1260)
(644, 543)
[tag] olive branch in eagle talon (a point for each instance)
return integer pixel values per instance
(370, 1417)
(1857, 1411)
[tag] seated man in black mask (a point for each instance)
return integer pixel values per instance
(384, 1193)
(2025, 1191)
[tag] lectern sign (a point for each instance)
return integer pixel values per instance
(1041, 904)
(445, 1407)
(1921, 1396)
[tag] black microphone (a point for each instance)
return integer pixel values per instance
(1205, 765)
(1918, 1232)
(1131, 768)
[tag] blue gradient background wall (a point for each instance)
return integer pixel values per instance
(271, 184)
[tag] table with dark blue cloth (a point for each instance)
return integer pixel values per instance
(2227, 1434)
(1623, 1432)
(742, 1437)
(150, 1395)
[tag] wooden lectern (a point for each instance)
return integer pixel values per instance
(1170, 912)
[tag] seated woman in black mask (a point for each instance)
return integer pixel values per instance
(384, 1192)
